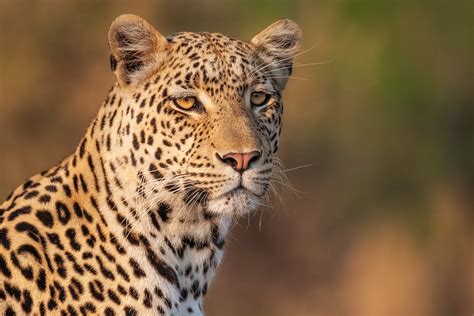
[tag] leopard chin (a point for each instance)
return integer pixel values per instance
(237, 202)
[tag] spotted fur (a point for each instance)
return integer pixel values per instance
(134, 221)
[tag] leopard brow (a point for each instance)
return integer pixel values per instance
(262, 88)
(183, 94)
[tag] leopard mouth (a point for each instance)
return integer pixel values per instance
(240, 189)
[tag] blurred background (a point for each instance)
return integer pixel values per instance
(378, 139)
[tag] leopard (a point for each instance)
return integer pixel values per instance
(134, 221)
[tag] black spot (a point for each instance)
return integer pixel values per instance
(130, 311)
(164, 211)
(109, 312)
(71, 235)
(133, 293)
(12, 290)
(9, 311)
(122, 290)
(113, 296)
(183, 295)
(161, 267)
(78, 210)
(56, 179)
(64, 214)
(161, 310)
(96, 290)
(52, 304)
(46, 218)
(4, 268)
(67, 190)
(27, 302)
(77, 285)
(158, 153)
(19, 212)
(83, 184)
(90, 268)
(105, 272)
(195, 289)
(60, 264)
(31, 250)
(45, 198)
(51, 188)
(32, 231)
(123, 273)
(72, 311)
(152, 100)
(61, 291)
(54, 238)
(78, 268)
(154, 172)
(41, 280)
(137, 270)
(216, 240)
(135, 142)
(31, 194)
(73, 292)
(148, 299)
(107, 254)
(154, 221)
(4, 238)
(139, 118)
(208, 215)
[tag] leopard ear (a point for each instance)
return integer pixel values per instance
(137, 48)
(276, 47)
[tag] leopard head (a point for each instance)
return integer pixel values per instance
(202, 111)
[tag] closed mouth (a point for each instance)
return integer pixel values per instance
(235, 190)
(241, 188)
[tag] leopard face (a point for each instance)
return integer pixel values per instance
(204, 110)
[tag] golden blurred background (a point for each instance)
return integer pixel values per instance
(380, 223)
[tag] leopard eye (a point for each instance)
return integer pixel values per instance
(259, 98)
(186, 103)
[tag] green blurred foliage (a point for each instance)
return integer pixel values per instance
(384, 117)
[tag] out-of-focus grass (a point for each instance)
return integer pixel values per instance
(384, 226)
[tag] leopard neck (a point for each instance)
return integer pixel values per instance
(173, 236)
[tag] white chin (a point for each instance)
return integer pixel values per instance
(238, 202)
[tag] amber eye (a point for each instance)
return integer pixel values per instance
(186, 103)
(259, 98)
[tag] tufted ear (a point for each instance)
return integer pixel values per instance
(276, 47)
(136, 46)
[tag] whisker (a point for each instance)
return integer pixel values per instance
(297, 65)
(297, 168)
(277, 61)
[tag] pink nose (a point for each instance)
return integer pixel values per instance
(240, 162)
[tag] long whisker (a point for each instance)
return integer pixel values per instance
(297, 65)
(277, 61)
(297, 168)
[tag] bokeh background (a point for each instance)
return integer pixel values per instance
(378, 139)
